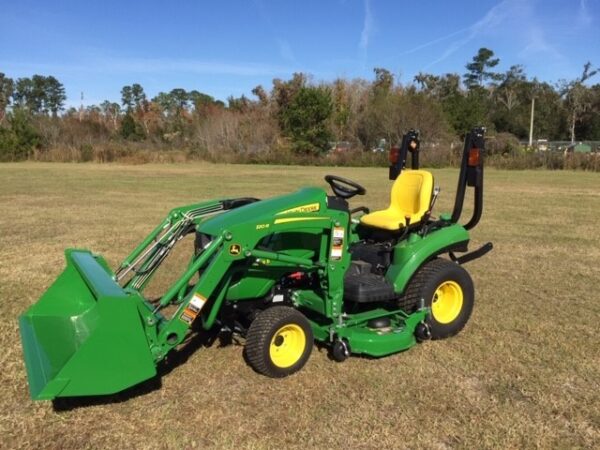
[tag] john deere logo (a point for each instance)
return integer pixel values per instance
(235, 249)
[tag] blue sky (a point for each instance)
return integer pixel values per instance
(228, 47)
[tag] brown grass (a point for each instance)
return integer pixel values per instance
(524, 373)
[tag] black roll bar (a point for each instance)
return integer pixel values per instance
(471, 175)
(410, 143)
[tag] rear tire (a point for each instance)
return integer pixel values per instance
(447, 289)
(279, 342)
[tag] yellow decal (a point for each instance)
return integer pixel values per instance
(235, 249)
(265, 262)
(312, 207)
(298, 219)
(262, 226)
(193, 309)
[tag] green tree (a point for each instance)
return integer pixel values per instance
(7, 87)
(20, 138)
(463, 112)
(127, 98)
(180, 99)
(306, 120)
(40, 94)
(589, 127)
(510, 106)
(202, 102)
(135, 101)
(139, 96)
(133, 97)
(23, 94)
(426, 82)
(479, 69)
(54, 95)
(37, 99)
(130, 129)
(165, 101)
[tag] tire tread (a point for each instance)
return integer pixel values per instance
(258, 338)
(414, 292)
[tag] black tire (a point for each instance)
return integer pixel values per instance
(430, 283)
(279, 329)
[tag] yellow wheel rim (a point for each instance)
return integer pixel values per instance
(287, 345)
(447, 302)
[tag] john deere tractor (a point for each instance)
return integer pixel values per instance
(281, 272)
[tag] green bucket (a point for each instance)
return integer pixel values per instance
(85, 336)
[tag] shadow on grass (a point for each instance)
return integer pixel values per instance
(165, 367)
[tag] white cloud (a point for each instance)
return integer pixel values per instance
(584, 18)
(286, 52)
(537, 43)
(155, 65)
(434, 41)
(514, 17)
(492, 19)
(367, 29)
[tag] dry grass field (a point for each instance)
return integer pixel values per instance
(524, 373)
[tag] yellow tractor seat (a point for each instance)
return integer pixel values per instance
(411, 196)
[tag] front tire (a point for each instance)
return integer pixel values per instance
(447, 289)
(279, 342)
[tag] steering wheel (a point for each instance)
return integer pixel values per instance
(343, 187)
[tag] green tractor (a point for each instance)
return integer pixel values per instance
(282, 272)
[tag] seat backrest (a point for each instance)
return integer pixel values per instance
(411, 192)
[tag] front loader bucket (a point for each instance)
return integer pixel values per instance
(85, 336)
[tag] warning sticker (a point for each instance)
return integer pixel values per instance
(336, 253)
(338, 232)
(187, 319)
(192, 309)
(337, 244)
(197, 302)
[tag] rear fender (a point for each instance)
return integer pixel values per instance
(415, 251)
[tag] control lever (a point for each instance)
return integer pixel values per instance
(427, 215)
(436, 192)
(405, 230)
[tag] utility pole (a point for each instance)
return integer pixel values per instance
(531, 122)
(81, 108)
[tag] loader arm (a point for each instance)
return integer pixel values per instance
(145, 259)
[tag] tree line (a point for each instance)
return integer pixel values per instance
(299, 116)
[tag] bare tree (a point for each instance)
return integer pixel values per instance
(577, 95)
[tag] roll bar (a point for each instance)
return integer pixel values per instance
(471, 175)
(410, 143)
